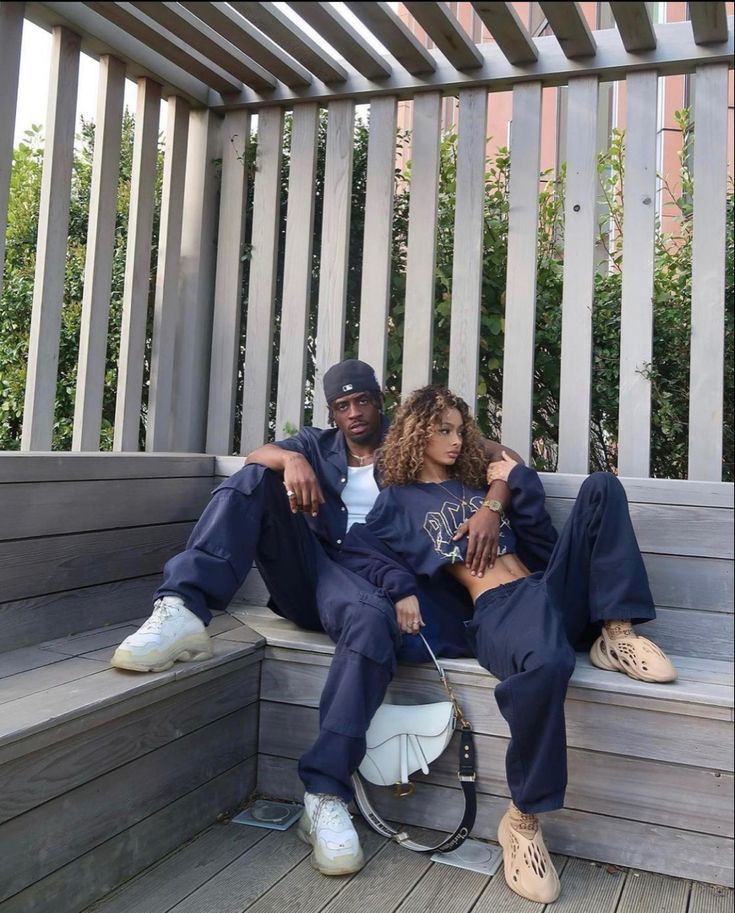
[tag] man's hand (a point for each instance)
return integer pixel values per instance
(483, 533)
(501, 469)
(302, 487)
(409, 617)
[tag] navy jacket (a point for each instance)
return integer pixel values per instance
(325, 451)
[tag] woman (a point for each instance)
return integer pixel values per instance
(544, 595)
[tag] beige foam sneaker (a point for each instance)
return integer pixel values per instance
(527, 865)
(620, 649)
(327, 826)
(171, 634)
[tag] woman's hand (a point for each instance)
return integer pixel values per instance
(409, 617)
(501, 469)
(302, 487)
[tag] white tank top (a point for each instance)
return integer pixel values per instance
(359, 493)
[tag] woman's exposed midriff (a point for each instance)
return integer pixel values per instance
(506, 569)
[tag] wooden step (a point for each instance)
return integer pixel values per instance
(102, 771)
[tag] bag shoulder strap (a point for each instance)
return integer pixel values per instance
(466, 774)
(458, 836)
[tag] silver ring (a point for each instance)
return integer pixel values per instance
(289, 493)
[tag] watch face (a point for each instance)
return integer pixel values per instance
(494, 504)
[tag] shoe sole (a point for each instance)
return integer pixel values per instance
(324, 868)
(123, 660)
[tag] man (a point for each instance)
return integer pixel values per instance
(288, 509)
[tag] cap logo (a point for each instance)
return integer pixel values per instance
(346, 387)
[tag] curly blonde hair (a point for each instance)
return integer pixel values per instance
(402, 455)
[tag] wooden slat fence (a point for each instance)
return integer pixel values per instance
(53, 222)
(297, 269)
(100, 248)
(520, 294)
(11, 30)
(335, 243)
(421, 255)
(137, 267)
(228, 281)
(636, 320)
(199, 305)
(262, 286)
(376, 256)
(160, 398)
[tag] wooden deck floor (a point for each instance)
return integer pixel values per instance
(233, 869)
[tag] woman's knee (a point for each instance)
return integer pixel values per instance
(602, 482)
(553, 663)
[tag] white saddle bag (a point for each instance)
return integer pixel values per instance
(405, 738)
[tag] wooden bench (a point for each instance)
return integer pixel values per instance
(650, 766)
(103, 772)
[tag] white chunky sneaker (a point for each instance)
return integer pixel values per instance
(327, 826)
(171, 633)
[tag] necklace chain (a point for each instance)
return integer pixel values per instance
(356, 456)
(462, 499)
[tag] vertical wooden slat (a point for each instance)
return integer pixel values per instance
(100, 251)
(53, 226)
(421, 254)
(636, 318)
(297, 269)
(708, 274)
(262, 286)
(11, 32)
(464, 341)
(579, 249)
(335, 246)
(196, 284)
(160, 397)
(376, 251)
(228, 283)
(520, 289)
(137, 266)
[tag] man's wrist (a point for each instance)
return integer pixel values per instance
(499, 490)
(493, 505)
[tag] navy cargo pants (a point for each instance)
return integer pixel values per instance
(248, 519)
(525, 633)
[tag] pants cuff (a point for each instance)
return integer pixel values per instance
(320, 783)
(548, 804)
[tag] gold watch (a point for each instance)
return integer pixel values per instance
(494, 505)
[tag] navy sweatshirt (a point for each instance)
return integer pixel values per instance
(408, 532)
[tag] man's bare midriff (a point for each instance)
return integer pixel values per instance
(506, 569)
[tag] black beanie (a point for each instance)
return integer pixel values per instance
(350, 376)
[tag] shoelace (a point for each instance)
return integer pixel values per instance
(161, 612)
(332, 812)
